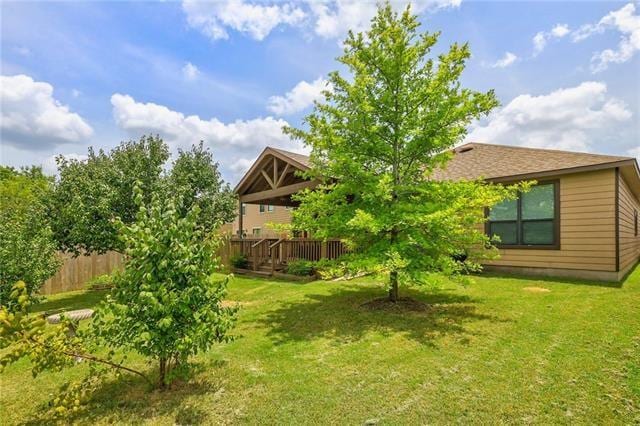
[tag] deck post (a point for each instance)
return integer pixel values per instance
(240, 224)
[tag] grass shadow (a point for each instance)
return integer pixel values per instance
(71, 301)
(343, 316)
(128, 399)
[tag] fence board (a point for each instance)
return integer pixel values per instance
(75, 272)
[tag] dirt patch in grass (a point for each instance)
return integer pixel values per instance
(227, 303)
(536, 289)
(404, 304)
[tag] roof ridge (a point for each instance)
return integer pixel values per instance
(284, 151)
(555, 151)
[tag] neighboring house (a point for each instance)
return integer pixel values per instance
(580, 220)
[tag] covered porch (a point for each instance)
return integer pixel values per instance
(271, 181)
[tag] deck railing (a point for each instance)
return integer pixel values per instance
(277, 252)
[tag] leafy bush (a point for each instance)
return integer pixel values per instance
(93, 192)
(27, 247)
(165, 304)
(301, 268)
(239, 261)
(101, 282)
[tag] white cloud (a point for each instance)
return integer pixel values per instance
(334, 18)
(560, 30)
(255, 19)
(573, 119)
(33, 119)
(190, 71)
(50, 167)
(507, 60)
(329, 18)
(299, 98)
(625, 21)
(241, 165)
(539, 42)
(634, 152)
(182, 131)
(76, 93)
(22, 51)
(541, 38)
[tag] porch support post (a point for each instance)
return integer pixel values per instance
(240, 224)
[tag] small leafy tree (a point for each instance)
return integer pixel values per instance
(196, 178)
(27, 248)
(93, 192)
(52, 347)
(375, 142)
(166, 305)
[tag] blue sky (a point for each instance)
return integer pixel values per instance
(233, 72)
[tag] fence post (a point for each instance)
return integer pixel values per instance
(323, 249)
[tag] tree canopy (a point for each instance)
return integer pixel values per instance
(376, 140)
(27, 248)
(92, 193)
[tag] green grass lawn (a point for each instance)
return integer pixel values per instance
(491, 352)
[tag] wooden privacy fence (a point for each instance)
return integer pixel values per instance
(75, 272)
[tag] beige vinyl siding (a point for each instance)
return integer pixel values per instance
(587, 227)
(254, 219)
(629, 243)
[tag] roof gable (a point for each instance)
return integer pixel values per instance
(273, 168)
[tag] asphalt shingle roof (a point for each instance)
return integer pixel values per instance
(474, 160)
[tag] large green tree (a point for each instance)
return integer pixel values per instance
(196, 178)
(375, 141)
(92, 193)
(27, 247)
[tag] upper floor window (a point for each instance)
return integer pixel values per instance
(531, 220)
(266, 207)
(244, 210)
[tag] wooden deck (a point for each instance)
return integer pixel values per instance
(272, 254)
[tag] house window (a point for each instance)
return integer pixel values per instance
(244, 210)
(256, 232)
(261, 208)
(531, 220)
(266, 207)
(270, 208)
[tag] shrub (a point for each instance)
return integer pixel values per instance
(166, 305)
(27, 247)
(239, 261)
(301, 268)
(101, 282)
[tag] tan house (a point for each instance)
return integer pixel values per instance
(580, 220)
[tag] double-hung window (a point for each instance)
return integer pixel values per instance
(266, 207)
(530, 221)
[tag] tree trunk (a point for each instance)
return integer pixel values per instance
(163, 373)
(393, 286)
